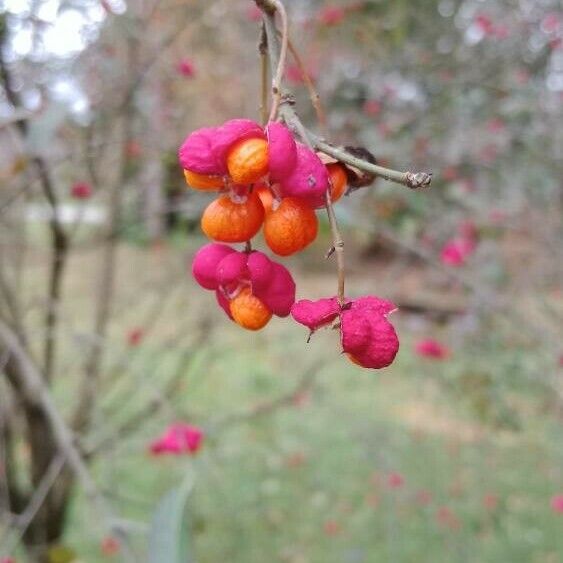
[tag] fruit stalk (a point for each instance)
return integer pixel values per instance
(293, 120)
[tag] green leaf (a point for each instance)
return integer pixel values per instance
(169, 532)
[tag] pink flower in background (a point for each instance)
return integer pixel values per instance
(395, 480)
(484, 23)
(372, 108)
(490, 501)
(501, 31)
(110, 546)
(294, 75)
(135, 336)
(332, 528)
(495, 125)
(423, 497)
(186, 68)
(550, 23)
(450, 173)
(430, 348)
(133, 149)
(488, 153)
(557, 503)
(497, 216)
(179, 438)
(7, 560)
(81, 190)
(446, 518)
(456, 251)
(561, 361)
(254, 13)
(468, 230)
(331, 15)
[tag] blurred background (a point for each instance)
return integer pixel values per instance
(453, 453)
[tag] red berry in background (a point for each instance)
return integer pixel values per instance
(331, 15)
(186, 68)
(254, 13)
(395, 480)
(179, 438)
(135, 336)
(557, 503)
(81, 190)
(372, 108)
(430, 348)
(133, 149)
(332, 528)
(490, 501)
(109, 546)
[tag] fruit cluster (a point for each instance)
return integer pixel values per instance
(249, 286)
(265, 178)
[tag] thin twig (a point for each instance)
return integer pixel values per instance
(269, 8)
(293, 120)
(24, 519)
(263, 50)
(313, 93)
(305, 382)
(412, 180)
(35, 391)
(338, 245)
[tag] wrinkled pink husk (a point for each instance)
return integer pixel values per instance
(223, 302)
(205, 262)
(309, 179)
(369, 337)
(282, 151)
(231, 269)
(197, 155)
(373, 304)
(279, 294)
(260, 270)
(314, 314)
(231, 132)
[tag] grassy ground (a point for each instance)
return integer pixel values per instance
(425, 461)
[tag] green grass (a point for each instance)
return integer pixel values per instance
(267, 488)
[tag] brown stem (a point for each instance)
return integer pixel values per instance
(338, 245)
(263, 50)
(412, 180)
(270, 7)
(30, 379)
(313, 94)
(59, 240)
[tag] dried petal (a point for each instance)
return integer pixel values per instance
(314, 314)
(282, 151)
